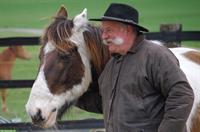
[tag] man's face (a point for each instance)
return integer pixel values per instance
(114, 35)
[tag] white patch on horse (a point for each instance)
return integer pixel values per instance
(41, 97)
(192, 72)
(48, 48)
(40, 94)
(80, 20)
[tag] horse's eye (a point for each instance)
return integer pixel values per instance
(75, 49)
(64, 57)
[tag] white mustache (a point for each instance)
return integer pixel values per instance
(116, 41)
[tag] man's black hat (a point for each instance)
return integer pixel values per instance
(121, 13)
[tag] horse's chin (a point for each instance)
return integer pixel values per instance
(51, 121)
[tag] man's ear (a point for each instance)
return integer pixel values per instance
(132, 29)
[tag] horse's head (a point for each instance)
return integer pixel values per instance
(20, 52)
(64, 73)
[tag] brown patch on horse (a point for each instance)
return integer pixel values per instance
(193, 55)
(196, 121)
(99, 52)
(64, 72)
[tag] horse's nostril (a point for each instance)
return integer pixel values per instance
(37, 119)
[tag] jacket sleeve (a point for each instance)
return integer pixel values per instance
(172, 83)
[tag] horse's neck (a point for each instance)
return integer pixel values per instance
(7, 57)
(98, 52)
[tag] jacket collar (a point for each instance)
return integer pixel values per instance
(136, 46)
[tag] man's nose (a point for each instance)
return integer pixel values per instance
(37, 118)
(104, 35)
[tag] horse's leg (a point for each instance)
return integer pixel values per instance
(3, 97)
(196, 121)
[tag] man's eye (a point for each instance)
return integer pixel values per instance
(107, 31)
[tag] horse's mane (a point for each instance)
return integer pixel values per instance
(60, 29)
(98, 51)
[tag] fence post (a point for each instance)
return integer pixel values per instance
(171, 28)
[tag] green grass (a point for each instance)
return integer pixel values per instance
(7, 130)
(32, 14)
(37, 14)
(191, 44)
(14, 33)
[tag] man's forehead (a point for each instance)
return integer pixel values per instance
(110, 24)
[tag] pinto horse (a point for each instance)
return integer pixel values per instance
(7, 59)
(71, 53)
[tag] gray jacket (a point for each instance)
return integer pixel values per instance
(144, 90)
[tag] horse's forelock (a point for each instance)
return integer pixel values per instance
(58, 33)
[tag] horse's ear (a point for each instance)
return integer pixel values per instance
(80, 19)
(62, 12)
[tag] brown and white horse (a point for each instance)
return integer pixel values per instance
(72, 52)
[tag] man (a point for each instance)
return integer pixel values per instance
(142, 87)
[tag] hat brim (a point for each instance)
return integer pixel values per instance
(120, 20)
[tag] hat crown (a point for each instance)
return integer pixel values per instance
(122, 11)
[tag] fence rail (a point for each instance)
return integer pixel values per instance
(76, 124)
(163, 36)
(15, 83)
(19, 41)
(174, 36)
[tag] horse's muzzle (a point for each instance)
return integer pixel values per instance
(38, 119)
